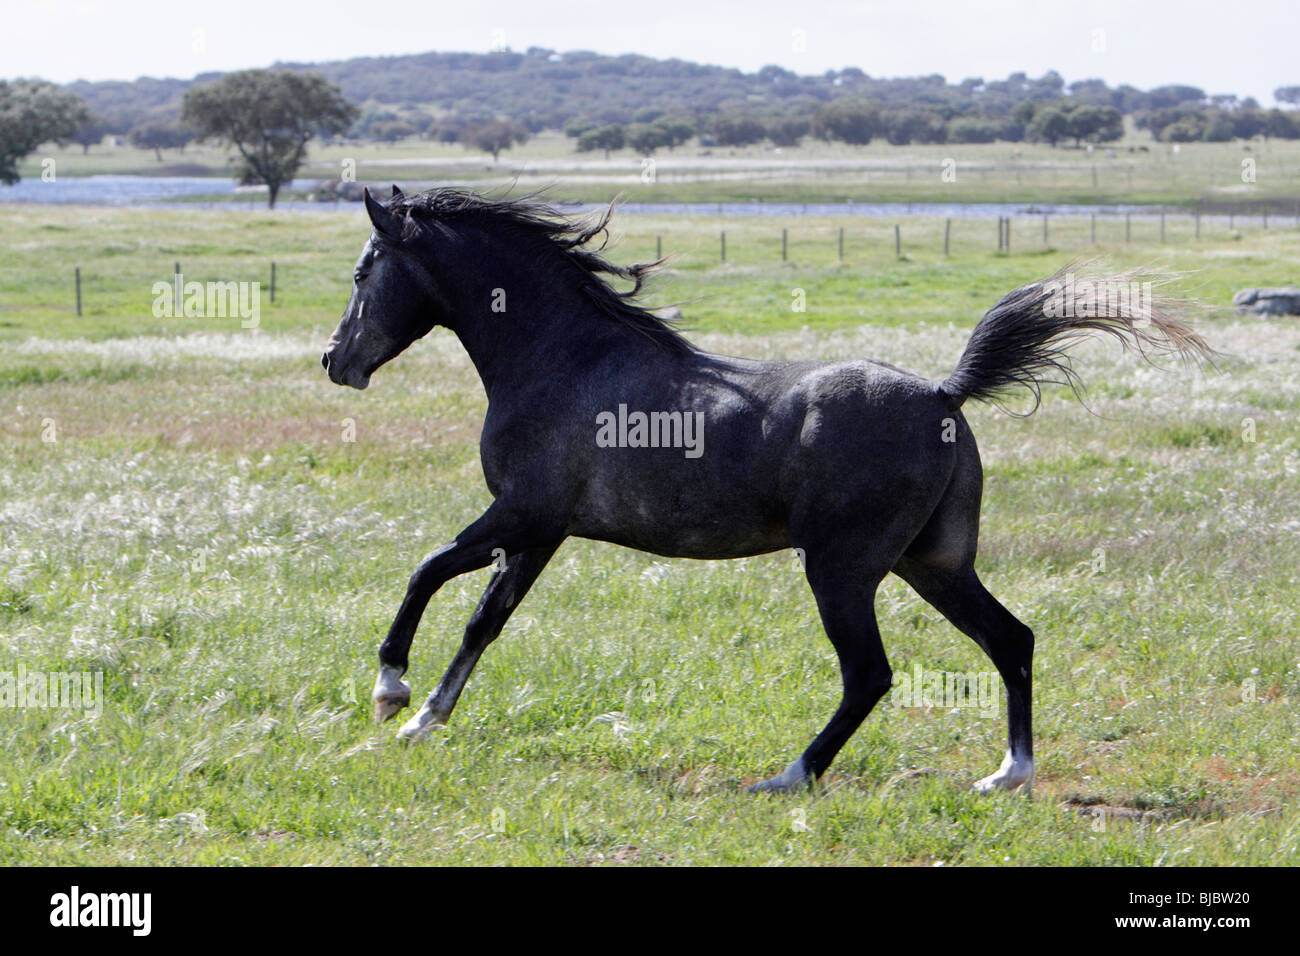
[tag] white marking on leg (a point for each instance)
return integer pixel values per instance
(418, 727)
(1013, 773)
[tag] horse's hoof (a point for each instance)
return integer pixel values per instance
(388, 705)
(791, 779)
(391, 693)
(1012, 775)
(418, 727)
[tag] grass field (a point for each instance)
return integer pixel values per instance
(1153, 173)
(199, 530)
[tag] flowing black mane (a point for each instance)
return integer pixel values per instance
(534, 220)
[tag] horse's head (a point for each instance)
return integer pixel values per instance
(394, 300)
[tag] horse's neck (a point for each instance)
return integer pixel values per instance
(524, 325)
(534, 338)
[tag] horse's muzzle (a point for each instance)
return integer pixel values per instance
(342, 373)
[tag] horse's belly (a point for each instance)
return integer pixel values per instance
(680, 519)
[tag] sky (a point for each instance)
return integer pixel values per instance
(1247, 48)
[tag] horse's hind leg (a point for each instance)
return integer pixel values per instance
(845, 592)
(962, 598)
(504, 592)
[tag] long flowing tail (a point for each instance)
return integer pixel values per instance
(1023, 340)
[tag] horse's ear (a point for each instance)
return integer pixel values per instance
(385, 223)
(397, 192)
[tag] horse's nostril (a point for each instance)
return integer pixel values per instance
(325, 361)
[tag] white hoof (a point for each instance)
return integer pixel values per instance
(391, 693)
(418, 727)
(792, 779)
(1012, 774)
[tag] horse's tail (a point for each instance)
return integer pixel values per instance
(1022, 341)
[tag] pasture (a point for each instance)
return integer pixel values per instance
(1259, 174)
(191, 508)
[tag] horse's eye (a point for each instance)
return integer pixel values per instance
(359, 277)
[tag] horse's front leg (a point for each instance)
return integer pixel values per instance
(497, 532)
(504, 592)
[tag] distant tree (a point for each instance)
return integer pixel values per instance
(645, 138)
(494, 135)
(1281, 125)
(364, 127)
(1219, 130)
(268, 116)
(576, 127)
(92, 133)
(418, 120)
(1184, 131)
(677, 130)
(1049, 86)
(390, 131)
(1289, 95)
(738, 130)
(1247, 123)
(1174, 95)
(33, 112)
(159, 136)
(1094, 92)
(1023, 112)
(788, 130)
(1097, 124)
(972, 129)
(534, 122)
(913, 126)
(608, 138)
(1157, 120)
(448, 129)
(1049, 126)
(852, 121)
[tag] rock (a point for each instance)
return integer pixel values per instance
(670, 314)
(1279, 301)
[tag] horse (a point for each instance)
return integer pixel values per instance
(861, 467)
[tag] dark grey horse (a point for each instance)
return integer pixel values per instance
(603, 422)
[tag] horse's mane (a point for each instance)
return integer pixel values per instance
(531, 218)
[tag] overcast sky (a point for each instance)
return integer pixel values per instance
(1247, 47)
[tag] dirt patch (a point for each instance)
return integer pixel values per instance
(622, 856)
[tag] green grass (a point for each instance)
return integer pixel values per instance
(200, 532)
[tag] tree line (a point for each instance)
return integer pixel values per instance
(491, 101)
(494, 101)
